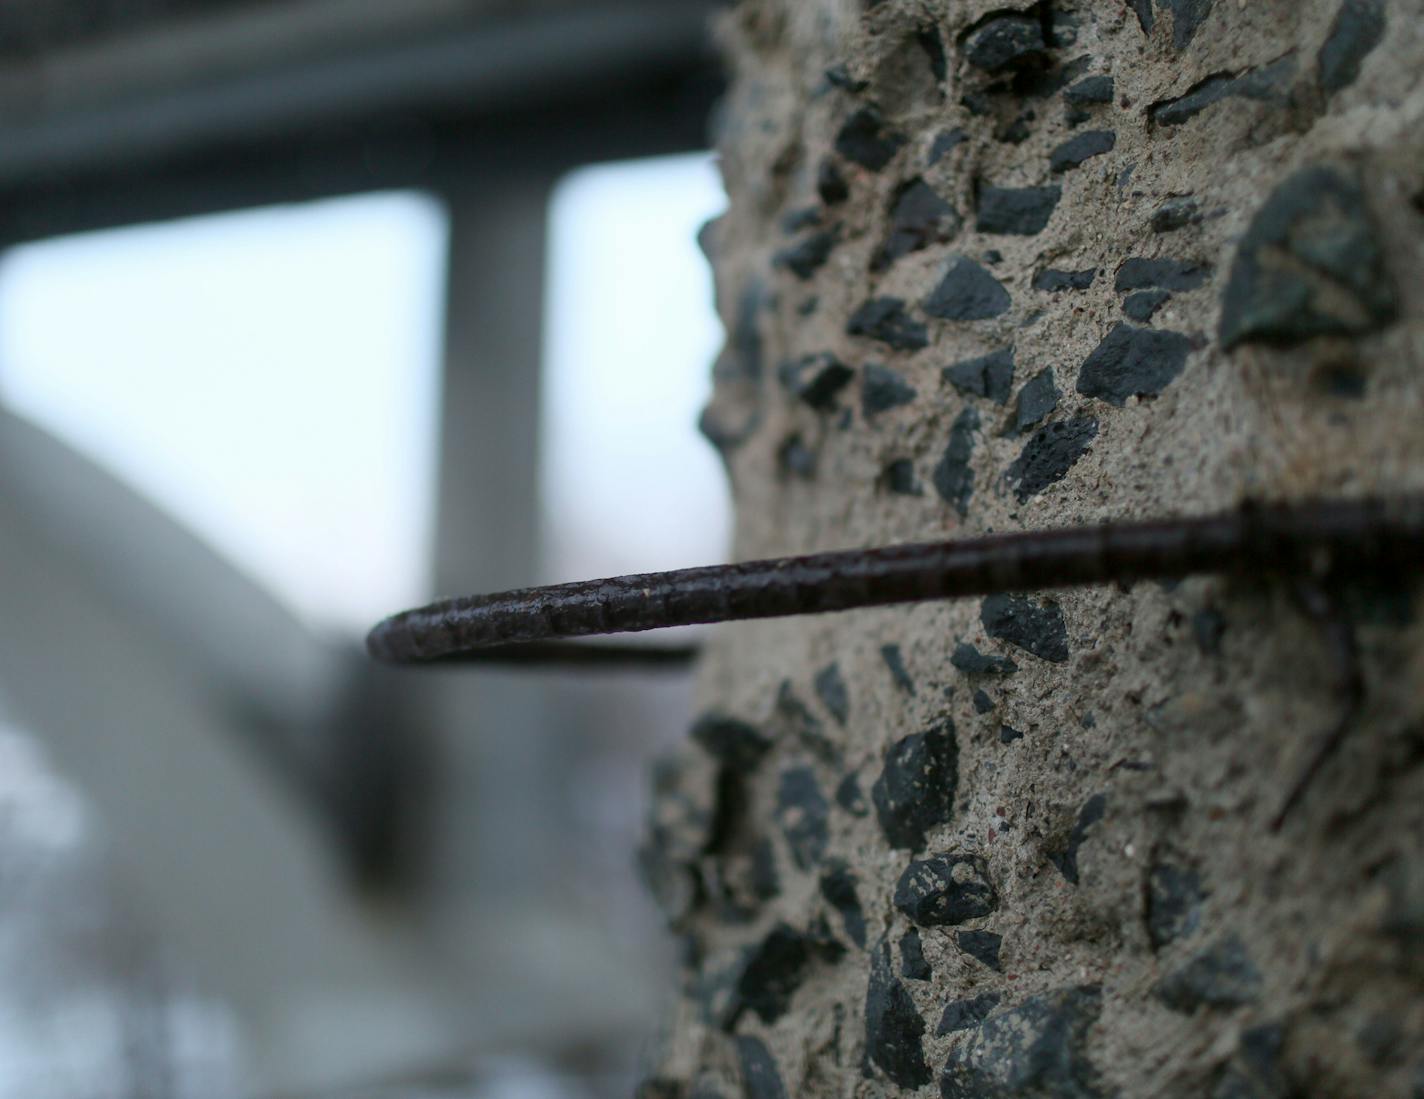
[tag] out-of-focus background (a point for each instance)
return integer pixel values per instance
(311, 310)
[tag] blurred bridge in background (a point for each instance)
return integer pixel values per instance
(363, 865)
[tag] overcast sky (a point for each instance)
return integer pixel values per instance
(271, 378)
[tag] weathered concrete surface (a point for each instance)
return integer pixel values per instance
(1067, 799)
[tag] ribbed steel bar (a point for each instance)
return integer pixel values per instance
(575, 656)
(1312, 538)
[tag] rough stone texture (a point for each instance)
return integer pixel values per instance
(885, 320)
(793, 718)
(1268, 173)
(919, 217)
(1066, 859)
(945, 890)
(1038, 397)
(832, 691)
(983, 946)
(989, 376)
(767, 975)
(1187, 17)
(1093, 90)
(966, 1014)
(1221, 976)
(913, 966)
(1037, 1049)
(1176, 213)
(893, 1027)
(1133, 362)
(899, 478)
(883, 389)
(803, 813)
(808, 256)
(971, 661)
(865, 141)
(1034, 626)
(968, 293)
(1311, 264)
(895, 661)
(1023, 211)
(1077, 150)
(838, 887)
(915, 790)
(1269, 84)
(816, 379)
(1055, 282)
(1174, 903)
(954, 476)
(1164, 274)
(1358, 29)
(1004, 41)
(760, 1076)
(1143, 305)
(1050, 454)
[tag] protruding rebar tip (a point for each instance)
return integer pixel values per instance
(517, 627)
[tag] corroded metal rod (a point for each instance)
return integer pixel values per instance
(574, 656)
(1309, 538)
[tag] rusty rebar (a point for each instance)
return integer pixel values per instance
(574, 656)
(1313, 538)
